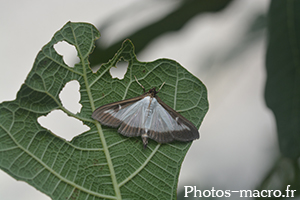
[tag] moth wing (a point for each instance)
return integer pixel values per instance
(112, 114)
(168, 125)
(162, 125)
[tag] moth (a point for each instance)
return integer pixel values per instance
(146, 116)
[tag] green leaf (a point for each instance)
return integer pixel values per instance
(100, 163)
(283, 70)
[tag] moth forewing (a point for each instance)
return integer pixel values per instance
(106, 114)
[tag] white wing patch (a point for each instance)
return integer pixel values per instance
(153, 117)
(161, 120)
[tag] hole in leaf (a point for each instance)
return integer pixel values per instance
(62, 125)
(68, 52)
(120, 70)
(95, 68)
(70, 96)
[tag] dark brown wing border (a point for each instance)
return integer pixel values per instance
(184, 135)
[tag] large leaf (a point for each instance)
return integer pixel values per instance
(283, 70)
(100, 163)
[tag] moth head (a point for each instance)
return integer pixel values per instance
(153, 91)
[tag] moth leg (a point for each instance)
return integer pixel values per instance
(139, 83)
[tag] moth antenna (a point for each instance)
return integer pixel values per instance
(161, 86)
(139, 83)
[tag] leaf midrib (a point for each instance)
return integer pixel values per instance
(99, 128)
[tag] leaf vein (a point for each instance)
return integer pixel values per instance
(141, 167)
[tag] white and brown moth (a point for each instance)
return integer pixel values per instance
(146, 116)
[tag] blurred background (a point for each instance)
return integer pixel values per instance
(222, 42)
